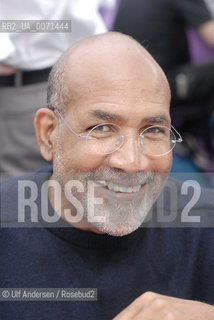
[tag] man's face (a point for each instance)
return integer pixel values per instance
(132, 95)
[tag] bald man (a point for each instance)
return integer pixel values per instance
(89, 222)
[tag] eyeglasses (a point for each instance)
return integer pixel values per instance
(105, 138)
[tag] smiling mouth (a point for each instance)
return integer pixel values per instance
(116, 188)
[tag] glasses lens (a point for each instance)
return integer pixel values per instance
(157, 140)
(105, 138)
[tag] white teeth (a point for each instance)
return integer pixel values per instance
(114, 187)
(117, 188)
(136, 188)
(102, 183)
(110, 186)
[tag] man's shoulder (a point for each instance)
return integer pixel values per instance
(36, 176)
(184, 204)
(13, 189)
(188, 189)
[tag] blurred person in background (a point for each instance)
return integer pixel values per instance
(25, 62)
(161, 25)
(210, 4)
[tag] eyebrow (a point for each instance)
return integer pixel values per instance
(159, 119)
(104, 115)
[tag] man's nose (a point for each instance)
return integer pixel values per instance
(130, 157)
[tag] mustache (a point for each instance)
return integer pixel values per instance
(112, 175)
(116, 175)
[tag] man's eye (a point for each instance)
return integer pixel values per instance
(156, 130)
(103, 130)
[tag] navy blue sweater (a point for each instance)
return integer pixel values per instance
(172, 261)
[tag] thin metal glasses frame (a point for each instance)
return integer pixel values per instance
(179, 140)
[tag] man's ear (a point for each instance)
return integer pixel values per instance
(46, 127)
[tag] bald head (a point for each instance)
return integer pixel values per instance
(113, 58)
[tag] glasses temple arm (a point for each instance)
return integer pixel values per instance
(179, 136)
(67, 125)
